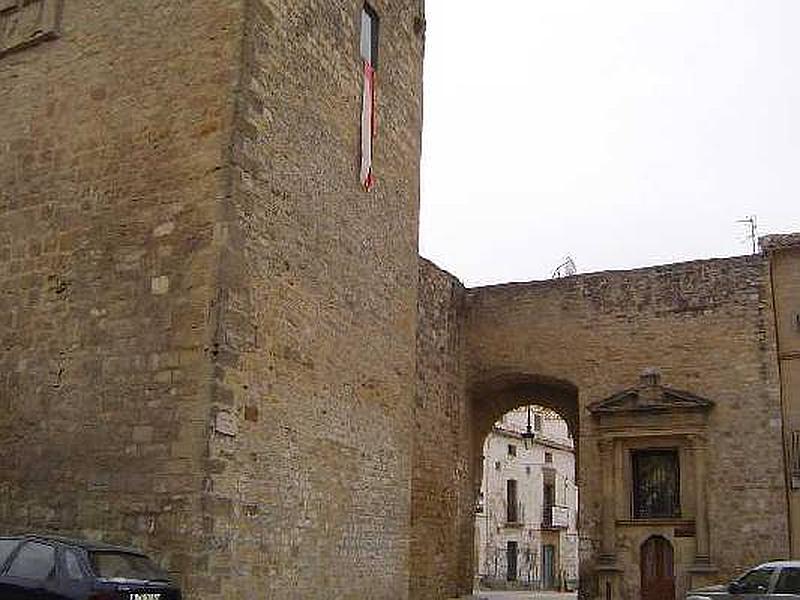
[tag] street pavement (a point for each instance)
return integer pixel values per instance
(524, 596)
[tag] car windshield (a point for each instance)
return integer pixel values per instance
(756, 581)
(124, 565)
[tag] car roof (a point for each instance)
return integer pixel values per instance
(67, 541)
(782, 563)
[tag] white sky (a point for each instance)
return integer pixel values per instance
(624, 133)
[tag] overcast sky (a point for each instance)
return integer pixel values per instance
(621, 133)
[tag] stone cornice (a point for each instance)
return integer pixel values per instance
(771, 243)
(650, 397)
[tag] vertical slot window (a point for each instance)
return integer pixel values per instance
(369, 54)
(369, 35)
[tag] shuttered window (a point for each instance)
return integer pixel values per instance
(512, 514)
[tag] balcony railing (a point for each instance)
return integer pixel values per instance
(555, 517)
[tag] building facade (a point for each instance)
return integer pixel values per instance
(526, 518)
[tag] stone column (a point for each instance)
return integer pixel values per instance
(607, 568)
(702, 553)
(608, 550)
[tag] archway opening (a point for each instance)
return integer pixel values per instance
(527, 493)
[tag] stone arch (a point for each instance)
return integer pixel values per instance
(493, 397)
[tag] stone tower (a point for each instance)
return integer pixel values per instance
(207, 326)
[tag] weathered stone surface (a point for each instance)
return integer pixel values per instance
(442, 509)
(316, 310)
(119, 125)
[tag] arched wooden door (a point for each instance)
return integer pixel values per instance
(657, 569)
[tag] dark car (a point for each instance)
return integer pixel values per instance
(56, 568)
(776, 579)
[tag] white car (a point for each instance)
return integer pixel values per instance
(776, 579)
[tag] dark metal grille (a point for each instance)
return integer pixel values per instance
(794, 460)
(656, 484)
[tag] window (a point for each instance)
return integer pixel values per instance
(512, 450)
(755, 582)
(548, 457)
(73, 566)
(369, 35)
(369, 52)
(788, 581)
(656, 484)
(512, 514)
(548, 502)
(6, 548)
(497, 465)
(125, 565)
(34, 561)
(537, 422)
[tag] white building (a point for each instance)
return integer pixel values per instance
(526, 529)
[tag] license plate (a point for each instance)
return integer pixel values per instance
(145, 596)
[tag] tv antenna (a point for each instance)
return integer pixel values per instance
(752, 231)
(565, 269)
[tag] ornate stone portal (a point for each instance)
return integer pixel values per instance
(652, 444)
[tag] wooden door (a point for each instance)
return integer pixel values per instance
(657, 569)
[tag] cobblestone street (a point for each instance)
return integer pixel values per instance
(525, 596)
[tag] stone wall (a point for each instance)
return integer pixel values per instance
(708, 326)
(442, 508)
(784, 253)
(318, 291)
(114, 120)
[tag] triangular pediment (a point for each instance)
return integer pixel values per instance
(650, 396)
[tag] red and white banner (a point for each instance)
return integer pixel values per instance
(367, 126)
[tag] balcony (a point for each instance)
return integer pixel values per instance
(555, 517)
